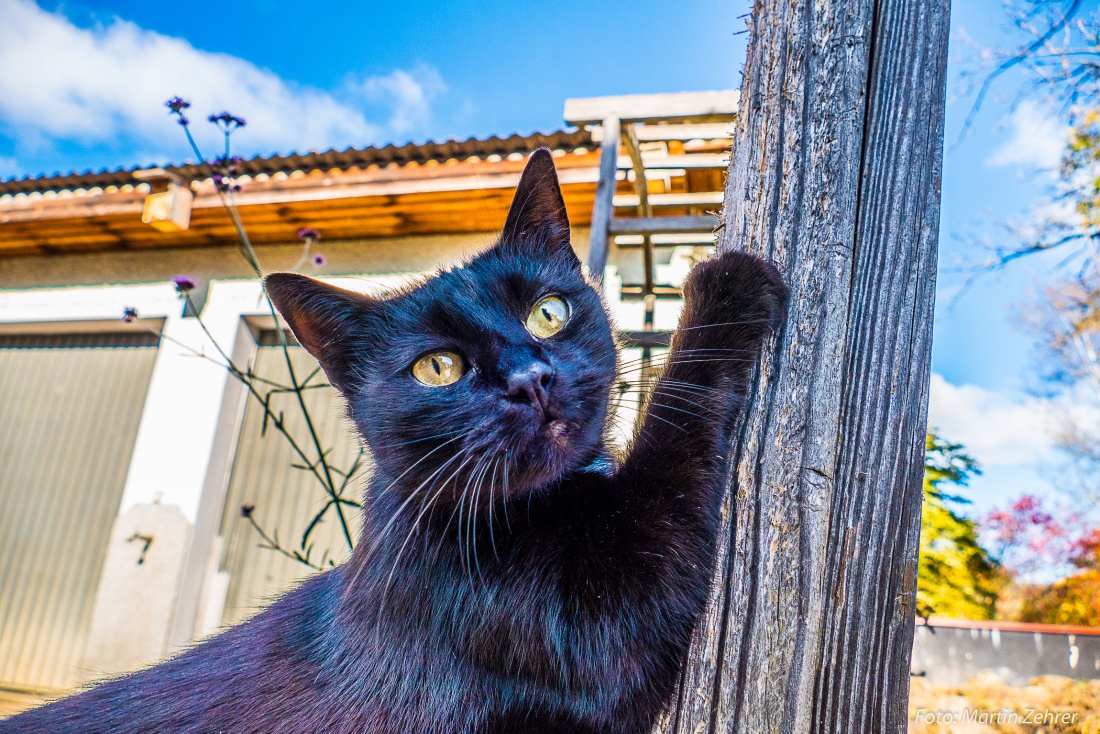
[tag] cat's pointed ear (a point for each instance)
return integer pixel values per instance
(326, 320)
(537, 217)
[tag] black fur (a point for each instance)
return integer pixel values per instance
(513, 576)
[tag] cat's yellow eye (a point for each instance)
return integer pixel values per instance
(548, 317)
(439, 369)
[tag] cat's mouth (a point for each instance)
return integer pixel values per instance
(557, 432)
(553, 427)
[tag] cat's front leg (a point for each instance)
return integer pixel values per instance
(671, 482)
(731, 303)
(652, 541)
(674, 473)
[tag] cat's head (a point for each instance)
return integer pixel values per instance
(497, 371)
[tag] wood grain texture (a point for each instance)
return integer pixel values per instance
(835, 176)
(603, 209)
(672, 107)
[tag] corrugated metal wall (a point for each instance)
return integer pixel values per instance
(69, 413)
(285, 498)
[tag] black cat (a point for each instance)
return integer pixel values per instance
(513, 575)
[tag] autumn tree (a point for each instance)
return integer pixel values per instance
(957, 577)
(1033, 536)
(1071, 600)
(1050, 556)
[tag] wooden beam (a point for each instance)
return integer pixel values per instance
(718, 161)
(74, 208)
(641, 190)
(634, 153)
(705, 239)
(662, 225)
(78, 223)
(702, 198)
(835, 178)
(714, 106)
(636, 292)
(602, 207)
(475, 182)
(665, 133)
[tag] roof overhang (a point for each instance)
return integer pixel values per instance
(454, 187)
(448, 188)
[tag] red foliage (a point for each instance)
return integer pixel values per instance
(1033, 538)
(1027, 537)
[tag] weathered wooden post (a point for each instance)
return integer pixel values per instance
(835, 176)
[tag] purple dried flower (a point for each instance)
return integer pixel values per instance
(309, 233)
(246, 510)
(129, 314)
(184, 283)
(319, 260)
(177, 104)
(184, 120)
(227, 121)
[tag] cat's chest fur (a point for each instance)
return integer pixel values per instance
(547, 625)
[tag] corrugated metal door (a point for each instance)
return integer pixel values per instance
(285, 498)
(69, 413)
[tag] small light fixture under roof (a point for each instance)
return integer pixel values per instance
(168, 210)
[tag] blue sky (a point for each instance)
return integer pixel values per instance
(986, 392)
(363, 72)
(81, 87)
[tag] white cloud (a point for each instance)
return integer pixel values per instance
(996, 429)
(409, 93)
(60, 81)
(1037, 139)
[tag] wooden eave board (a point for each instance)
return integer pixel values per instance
(456, 197)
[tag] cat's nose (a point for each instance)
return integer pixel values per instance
(530, 384)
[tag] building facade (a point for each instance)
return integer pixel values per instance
(127, 448)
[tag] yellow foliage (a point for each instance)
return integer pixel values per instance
(956, 576)
(1073, 600)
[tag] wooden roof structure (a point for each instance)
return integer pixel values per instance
(430, 188)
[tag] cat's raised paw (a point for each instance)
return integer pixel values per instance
(738, 290)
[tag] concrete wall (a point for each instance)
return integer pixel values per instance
(137, 593)
(951, 656)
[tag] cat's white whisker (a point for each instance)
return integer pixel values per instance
(415, 524)
(475, 502)
(399, 477)
(505, 492)
(662, 390)
(462, 510)
(443, 533)
(492, 500)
